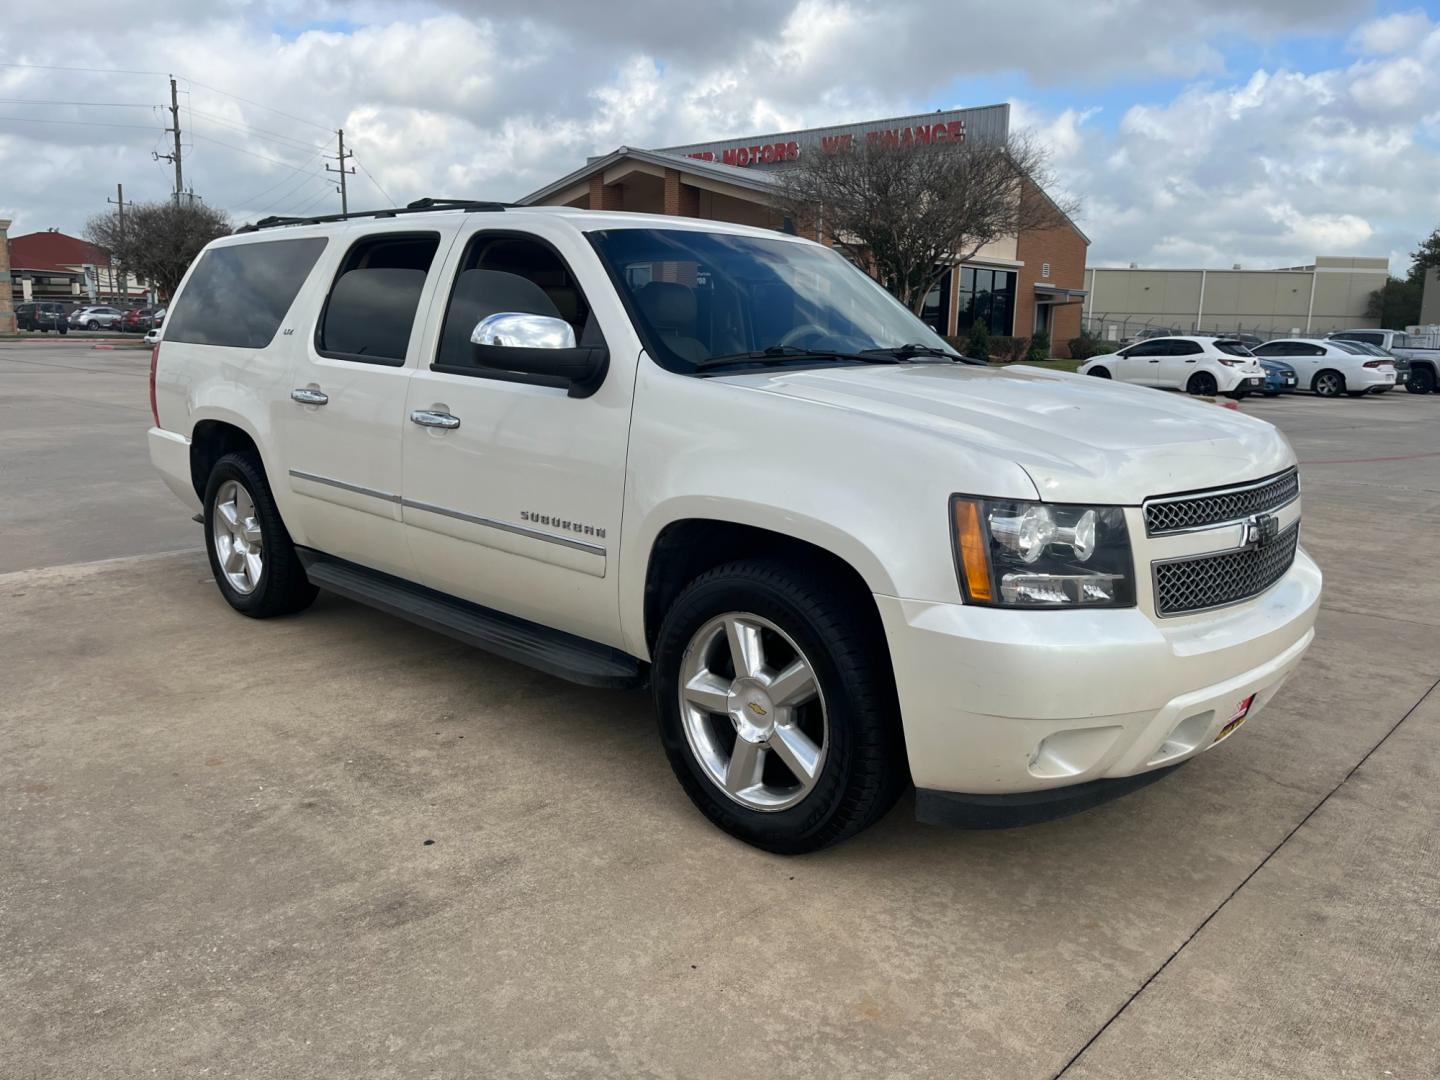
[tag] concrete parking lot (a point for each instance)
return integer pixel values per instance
(340, 846)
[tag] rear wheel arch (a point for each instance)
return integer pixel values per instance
(210, 440)
(1319, 375)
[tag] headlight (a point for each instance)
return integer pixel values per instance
(1033, 554)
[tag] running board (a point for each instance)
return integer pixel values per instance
(566, 656)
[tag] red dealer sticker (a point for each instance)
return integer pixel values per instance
(1237, 717)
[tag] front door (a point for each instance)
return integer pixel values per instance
(513, 488)
(342, 426)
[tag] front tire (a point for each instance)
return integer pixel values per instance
(1099, 372)
(251, 553)
(777, 705)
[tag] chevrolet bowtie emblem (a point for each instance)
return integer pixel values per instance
(757, 709)
(1260, 529)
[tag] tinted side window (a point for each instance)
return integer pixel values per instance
(372, 303)
(237, 296)
(1146, 348)
(1269, 350)
(504, 272)
(1186, 348)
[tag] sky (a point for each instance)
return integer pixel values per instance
(1193, 133)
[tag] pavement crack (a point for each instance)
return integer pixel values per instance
(1243, 882)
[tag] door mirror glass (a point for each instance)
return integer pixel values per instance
(517, 330)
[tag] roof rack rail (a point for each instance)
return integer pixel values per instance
(419, 206)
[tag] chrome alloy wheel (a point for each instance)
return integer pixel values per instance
(753, 712)
(239, 547)
(1328, 384)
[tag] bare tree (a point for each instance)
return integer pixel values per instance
(160, 239)
(910, 212)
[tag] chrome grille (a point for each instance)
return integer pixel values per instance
(1211, 581)
(1206, 508)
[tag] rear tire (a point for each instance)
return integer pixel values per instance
(1202, 384)
(791, 618)
(251, 553)
(1422, 380)
(1328, 383)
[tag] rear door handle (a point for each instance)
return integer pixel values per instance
(306, 395)
(430, 418)
(1154, 361)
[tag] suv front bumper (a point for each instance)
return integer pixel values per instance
(997, 702)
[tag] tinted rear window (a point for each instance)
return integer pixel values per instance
(1232, 348)
(238, 296)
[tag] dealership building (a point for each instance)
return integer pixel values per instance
(1329, 294)
(1019, 286)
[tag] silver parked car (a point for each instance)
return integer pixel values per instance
(96, 318)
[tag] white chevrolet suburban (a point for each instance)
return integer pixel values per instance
(622, 448)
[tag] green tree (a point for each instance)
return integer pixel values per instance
(1397, 305)
(160, 239)
(1427, 257)
(911, 212)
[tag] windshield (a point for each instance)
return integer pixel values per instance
(699, 296)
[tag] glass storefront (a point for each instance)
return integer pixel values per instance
(986, 296)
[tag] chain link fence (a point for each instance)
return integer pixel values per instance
(1119, 329)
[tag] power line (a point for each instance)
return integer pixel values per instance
(242, 150)
(295, 190)
(98, 71)
(258, 105)
(389, 201)
(248, 129)
(82, 123)
(92, 104)
(304, 165)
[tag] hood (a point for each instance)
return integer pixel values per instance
(1079, 438)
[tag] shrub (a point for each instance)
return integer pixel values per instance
(977, 345)
(1089, 345)
(1039, 347)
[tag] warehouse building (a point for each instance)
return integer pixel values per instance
(1329, 294)
(1025, 284)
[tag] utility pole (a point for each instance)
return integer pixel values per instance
(342, 170)
(175, 130)
(119, 202)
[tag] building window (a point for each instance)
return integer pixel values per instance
(986, 296)
(1045, 270)
(936, 311)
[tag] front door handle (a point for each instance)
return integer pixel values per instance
(430, 418)
(307, 395)
(1154, 361)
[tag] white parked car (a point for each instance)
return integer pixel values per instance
(631, 448)
(1197, 365)
(1332, 368)
(153, 336)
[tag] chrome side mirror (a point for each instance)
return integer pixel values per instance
(539, 349)
(517, 330)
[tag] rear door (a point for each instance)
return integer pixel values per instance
(341, 427)
(515, 504)
(1181, 360)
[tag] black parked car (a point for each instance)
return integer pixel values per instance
(42, 315)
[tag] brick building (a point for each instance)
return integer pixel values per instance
(1019, 286)
(52, 265)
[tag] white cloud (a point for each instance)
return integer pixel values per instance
(494, 99)
(1390, 33)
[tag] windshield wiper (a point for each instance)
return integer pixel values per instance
(906, 351)
(793, 352)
